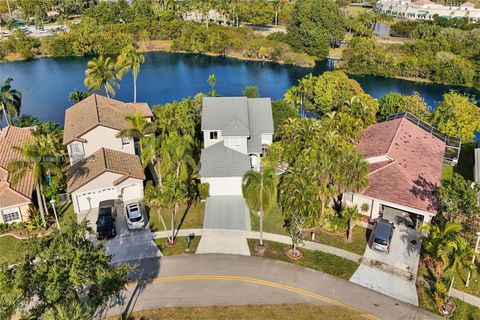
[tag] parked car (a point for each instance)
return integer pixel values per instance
(106, 220)
(133, 213)
(382, 235)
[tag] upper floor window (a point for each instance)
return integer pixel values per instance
(76, 149)
(125, 140)
(213, 135)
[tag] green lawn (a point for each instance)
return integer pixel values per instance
(250, 312)
(10, 249)
(358, 244)
(179, 248)
(66, 213)
(317, 260)
(272, 221)
(447, 172)
(466, 161)
(473, 287)
(464, 310)
(187, 217)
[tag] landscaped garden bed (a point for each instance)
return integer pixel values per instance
(316, 260)
(179, 247)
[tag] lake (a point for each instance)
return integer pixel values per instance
(165, 77)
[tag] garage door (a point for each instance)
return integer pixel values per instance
(132, 192)
(225, 186)
(90, 200)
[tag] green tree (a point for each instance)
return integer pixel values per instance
(457, 259)
(212, 82)
(282, 111)
(71, 310)
(155, 199)
(457, 116)
(388, 105)
(101, 72)
(458, 202)
(23, 44)
(260, 192)
(416, 105)
(10, 101)
(138, 130)
(130, 60)
(76, 95)
(313, 24)
(250, 92)
(66, 267)
(26, 120)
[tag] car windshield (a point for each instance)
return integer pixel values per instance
(380, 241)
(134, 213)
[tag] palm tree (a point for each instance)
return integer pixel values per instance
(37, 158)
(352, 215)
(77, 95)
(153, 152)
(437, 241)
(10, 101)
(130, 60)
(155, 199)
(212, 82)
(100, 73)
(457, 259)
(260, 192)
(139, 128)
(67, 311)
(175, 195)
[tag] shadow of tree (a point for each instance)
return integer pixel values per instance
(423, 190)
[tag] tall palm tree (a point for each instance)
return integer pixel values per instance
(37, 158)
(457, 259)
(153, 153)
(139, 128)
(260, 192)
(76, 96)
(175, 192)
(101, 72)
(155, 199)
(130, 60)
(69, 311)
(10, 101)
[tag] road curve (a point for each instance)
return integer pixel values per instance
(216, 279)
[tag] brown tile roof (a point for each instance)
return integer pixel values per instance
(21, 192)
(104, 160)
(98, 110)
(416, 166)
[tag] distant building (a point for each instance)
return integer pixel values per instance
(426, 10)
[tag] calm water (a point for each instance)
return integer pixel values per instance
(165, 77)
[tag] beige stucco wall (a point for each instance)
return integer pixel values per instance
(102, 137)
(207, 142)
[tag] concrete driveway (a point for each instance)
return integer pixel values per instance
(393, 274)
(128, 244)
(226, 213)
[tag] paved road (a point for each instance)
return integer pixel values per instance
(215, 279)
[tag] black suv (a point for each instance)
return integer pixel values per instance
(106, 220)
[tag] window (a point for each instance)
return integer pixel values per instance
(125, 141)
(213, 135)
(76, 149)
(11, 215)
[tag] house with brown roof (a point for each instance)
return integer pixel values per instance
(405, 164)
(104, 166)
(15, 199)
(96, 122)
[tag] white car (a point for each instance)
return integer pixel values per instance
(133, 213)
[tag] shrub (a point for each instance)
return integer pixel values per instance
(203, 190)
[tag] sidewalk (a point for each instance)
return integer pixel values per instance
(465, 297)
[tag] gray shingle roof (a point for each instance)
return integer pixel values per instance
(220, 161)
(235, 128)
(261, 122)
(217, 112)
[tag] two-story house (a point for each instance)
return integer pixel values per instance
(15, 199)
(103, 164)
(236, 131)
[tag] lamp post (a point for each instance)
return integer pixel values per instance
(473, 258)
(52, 202)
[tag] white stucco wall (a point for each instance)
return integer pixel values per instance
(102, 137)
(267, 139)
(221, 186)
(207, 142)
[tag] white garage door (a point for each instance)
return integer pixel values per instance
(231, 186)
(90, 200)
(132, 192)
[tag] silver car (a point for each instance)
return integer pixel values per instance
(382, 235)
(133, 213)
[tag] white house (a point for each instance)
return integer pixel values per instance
(236, 132)
(426, 10)
(406, 164)
(103, 165)
(15, 199)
